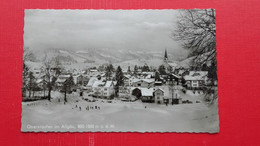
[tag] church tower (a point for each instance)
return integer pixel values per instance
(165, 57)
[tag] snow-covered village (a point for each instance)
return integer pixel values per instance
(118, 91)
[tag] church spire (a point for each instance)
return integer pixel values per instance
(165, 55)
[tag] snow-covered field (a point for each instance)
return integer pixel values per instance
(78, 116)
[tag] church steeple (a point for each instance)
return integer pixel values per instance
(165, 56)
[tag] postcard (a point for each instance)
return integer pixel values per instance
(120, 71)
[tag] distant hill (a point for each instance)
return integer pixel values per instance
(95, 57)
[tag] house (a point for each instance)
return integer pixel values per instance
(61, 79)
(143, 83)
(93, 73)
(103, 89)
(174, 79)
(124, 92)
(82, 80)
(147, 95)
(90, 83)
(148, 75)
(181, 72)
(128, 80)
(196, 79)
(159, 95)
(163, 95)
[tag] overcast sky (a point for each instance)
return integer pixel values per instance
(113, 29)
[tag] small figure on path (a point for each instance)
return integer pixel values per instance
(80, 108)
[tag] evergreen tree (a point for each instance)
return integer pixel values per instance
(212, 74)
(109, 71)
(157, 76)
(67, 85)
(119, 78)
(129, 70)
(162, 70)
(145, 68)
(25, 78)
(135, 70)
(137, 93)
(111, 67)
(204, 67)
(31, 83)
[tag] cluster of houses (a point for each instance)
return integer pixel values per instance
(143, 86)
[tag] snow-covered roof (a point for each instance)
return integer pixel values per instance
(176, 76)
(148, 73)
(114, 82)
(181, 71)
(103, 74)
(98, 84)
(59, 80)
(173, 64)
(148, 76)
(127, 76)
(93, 70)
(64, 76)
(148, 80)
(196, 75)
(158, 82)
(39, 81)
(159, 89)
(91, 81)
(109, 83)
(147, 92)
(136, 80)
(145, 80)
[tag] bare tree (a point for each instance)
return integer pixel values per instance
(28, 55)
(27, 75)
(51, 73)
(196, 30)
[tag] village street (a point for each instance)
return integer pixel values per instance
(115, 115)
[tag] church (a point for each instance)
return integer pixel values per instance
(169, 66)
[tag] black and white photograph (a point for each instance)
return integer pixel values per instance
(120, 71)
